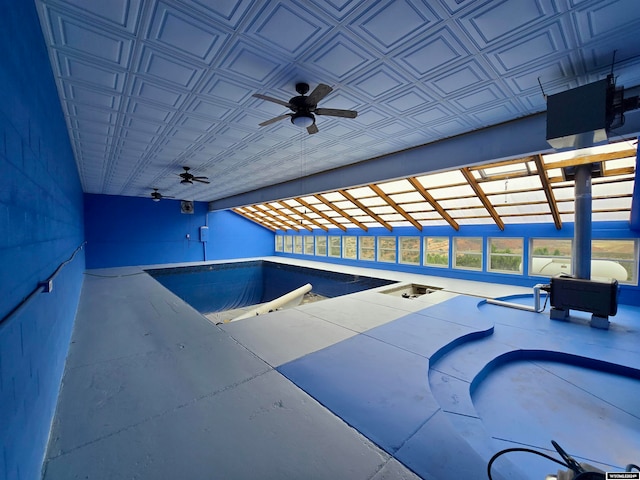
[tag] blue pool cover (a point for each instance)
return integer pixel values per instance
(220, 287)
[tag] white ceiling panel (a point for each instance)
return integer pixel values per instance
(148, 86)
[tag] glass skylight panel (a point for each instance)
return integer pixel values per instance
(396, 187)
(442, 178)
(475, 221)
(433, 215)
(360, 192)
(417, 207)
(396, 217)
(521, 183)
(528, 219)
(617, 188)
(452, 192)
(467, 212)
(611, 203)
(407, 197)
(332, 196)
(521, 209)
(562, 193)
(610, 216)
(383, 210)
(461, 203)
(513, 169)
(342, 205)
(620, 163)
(372, 202)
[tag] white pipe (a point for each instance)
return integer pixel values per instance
(536, 301)
(290, 299)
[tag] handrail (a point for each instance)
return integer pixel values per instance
(42, 287)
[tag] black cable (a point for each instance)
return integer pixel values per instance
(41, 286)
(630, 466)
(526, 450)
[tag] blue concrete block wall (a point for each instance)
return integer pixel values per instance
(41, 224)
(123, 231)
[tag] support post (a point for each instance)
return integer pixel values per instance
(582, 232)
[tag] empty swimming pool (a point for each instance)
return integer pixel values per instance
(226, 286)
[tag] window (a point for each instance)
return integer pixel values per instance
(288, 243)
(279, 243)
(467, 253)
(367, 248)
(297, 244)
(334, 246)
(387, 249)
(321, 245)
(436, 251)
(550, 256)
(350, 247)
(615, 259)
(410, 250)
(505, 255)
(309, 244)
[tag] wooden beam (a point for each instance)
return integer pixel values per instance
(586, 159)
(249, 216)
(341, 212)
(433, 202)
(321, 213)
(548, 191)
(308, 219)
(276, 219)
(288, 217)
(395, 206)
(483, 198)
(365, 209)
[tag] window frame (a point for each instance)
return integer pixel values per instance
(425, 258)
(371, 248)
(468, 252)
(532, 255)
(288, 244)
(402, 250)
(345, 248)
(321, 242)
(309, 240)
(491, 254)
(380, 251)
(331, 246)
(633, 262)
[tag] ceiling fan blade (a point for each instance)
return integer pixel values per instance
(312, 129)
(318, 94)
(336, 112)
(200, 179)
(271, 99)
(274, 120)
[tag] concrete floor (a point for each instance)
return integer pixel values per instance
(152, 389)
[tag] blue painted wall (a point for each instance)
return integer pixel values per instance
(122, 231)
(629, 294)
(138, 231)
(41, 224)
(233, 236)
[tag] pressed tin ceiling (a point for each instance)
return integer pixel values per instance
(150, 86)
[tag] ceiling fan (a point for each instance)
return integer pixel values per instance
(188, 178)
(304, 107)
(156, 196)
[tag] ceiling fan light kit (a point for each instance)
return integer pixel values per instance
(303, 120)
(304, 107)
